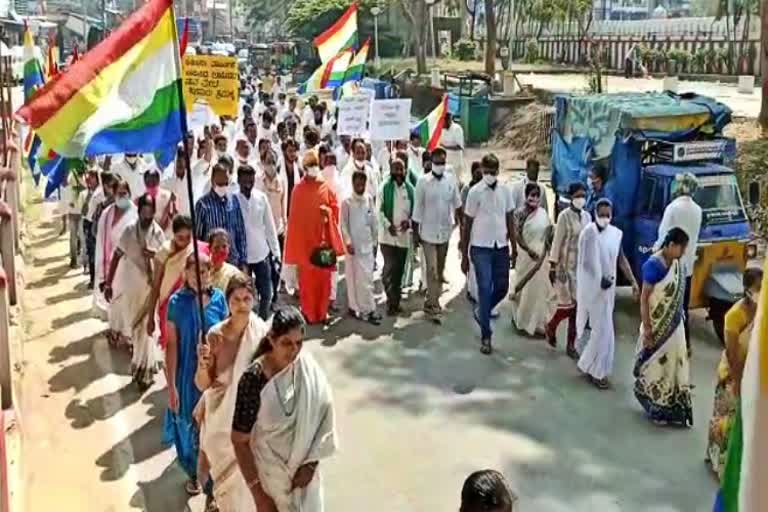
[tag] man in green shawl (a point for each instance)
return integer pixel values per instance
(395, 209)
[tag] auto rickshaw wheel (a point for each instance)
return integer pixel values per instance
(717, 310)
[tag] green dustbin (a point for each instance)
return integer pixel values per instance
(474, 112)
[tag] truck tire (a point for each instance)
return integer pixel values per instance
(717, 310)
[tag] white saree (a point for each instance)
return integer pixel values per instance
(108, 233)
(597, 258)
(217, 407)
(295, 426)
(532, 306)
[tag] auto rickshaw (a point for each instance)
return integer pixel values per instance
(644, 140)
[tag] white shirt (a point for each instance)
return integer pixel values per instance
(275, 190)
(371, 183)
(435, 203)
(452, 136)
(342, 157)
(134, 177)
(269, 134)
(96, 199)
(358, 223)
(401, 210)
(260, 232)
(683, 213)
(415, 156)
(488, 209)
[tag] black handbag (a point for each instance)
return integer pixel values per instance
(323, 256)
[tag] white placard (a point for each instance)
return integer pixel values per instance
(199, 117)
(390, 119)
(354, 113)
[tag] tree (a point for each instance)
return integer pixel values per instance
(416, 12)
(490, 37)
(763, 118)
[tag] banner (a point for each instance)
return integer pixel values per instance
(390, 119)
(354, 113)
(213, 79)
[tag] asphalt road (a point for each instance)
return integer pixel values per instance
(418, 406)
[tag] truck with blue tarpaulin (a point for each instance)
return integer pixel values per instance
(644, 140)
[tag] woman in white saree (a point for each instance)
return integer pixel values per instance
(112, 222)
(532, 304)
(283, 423)
(221, 362)
(127, 288)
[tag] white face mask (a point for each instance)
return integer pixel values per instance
(489, 179)
(579, 202)
(220, 191)
(359, 163)
(131, 159)
(603, 221)
(220, 153)
(329, 169)
(438, 169)
(313, 171)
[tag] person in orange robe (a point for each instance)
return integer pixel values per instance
(313, 219)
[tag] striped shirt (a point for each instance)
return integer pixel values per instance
(222, 212)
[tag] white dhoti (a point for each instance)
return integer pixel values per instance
(358, 271)
(455, 159)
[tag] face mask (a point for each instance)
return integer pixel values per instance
(123, 203)
(220, 256)
(153, 190)
(131, 159)
(489, 179)
(221, 191)
(313, 171)
(438, 169)
(603, 221)
(359, 163)
(329, 169)
(270, 170)
(220, 153)
(578, 202)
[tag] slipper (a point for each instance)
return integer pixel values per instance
(193, 487)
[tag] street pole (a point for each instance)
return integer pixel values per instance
(103, 19)
(231, 24)
(376, 11)
(431, 26)
(213, 22)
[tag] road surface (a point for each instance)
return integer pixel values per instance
(418, 406)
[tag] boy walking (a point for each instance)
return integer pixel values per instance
(359, 231)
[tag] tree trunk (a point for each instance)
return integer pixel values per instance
(763, 119)
(421, 31)
(490, 36)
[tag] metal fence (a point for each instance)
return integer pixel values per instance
(574, 50)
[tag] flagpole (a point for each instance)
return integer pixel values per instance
(190, 194)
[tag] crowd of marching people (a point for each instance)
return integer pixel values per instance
(278, 199)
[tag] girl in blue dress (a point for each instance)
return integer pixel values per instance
(184, 334)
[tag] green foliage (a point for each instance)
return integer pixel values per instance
(465, 49)
(751, 166)
(531, 51)
(699, 60)
(308, 18)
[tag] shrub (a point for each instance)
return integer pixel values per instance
(464, 49)
(531, 51)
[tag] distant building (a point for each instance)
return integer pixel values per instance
(640, 9)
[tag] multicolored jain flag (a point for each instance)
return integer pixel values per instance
(356, 69)
(431, 127)
(340, 36)
(744, 487)
(329, 75)
(33, 80)
(123, 96)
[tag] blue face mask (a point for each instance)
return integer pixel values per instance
(123, 203)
